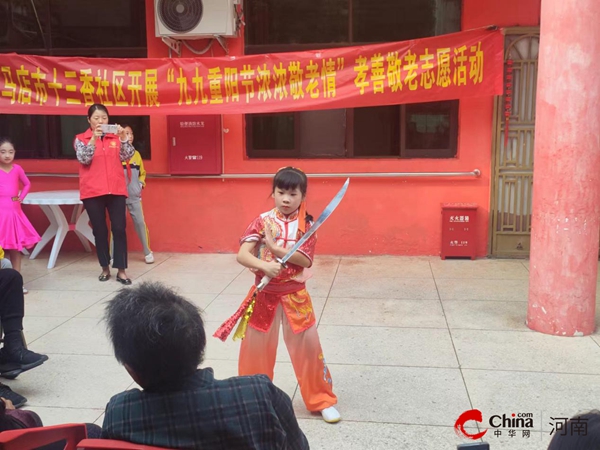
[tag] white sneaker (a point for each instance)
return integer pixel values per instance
(149, 258)
(331, 415)
(25, 291)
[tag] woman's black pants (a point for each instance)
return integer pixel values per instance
(96, 208)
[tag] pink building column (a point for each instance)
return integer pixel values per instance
(566, 187)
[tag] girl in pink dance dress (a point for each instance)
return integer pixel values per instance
(16, 232)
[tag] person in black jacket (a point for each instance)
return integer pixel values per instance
(15, 358)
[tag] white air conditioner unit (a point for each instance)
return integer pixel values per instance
(192, 19)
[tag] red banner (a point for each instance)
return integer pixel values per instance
(452, 66)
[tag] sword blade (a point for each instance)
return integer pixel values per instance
(322, 218)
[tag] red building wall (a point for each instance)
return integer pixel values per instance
(378, 216)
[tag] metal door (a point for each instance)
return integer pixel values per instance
(513, 162)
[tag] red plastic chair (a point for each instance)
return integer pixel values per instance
(109, 444)
(36, 437)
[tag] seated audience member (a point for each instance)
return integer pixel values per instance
(19, 419)
(14, 357)
(159, 337)
(581, 432)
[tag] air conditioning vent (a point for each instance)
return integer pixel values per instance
(180, 16)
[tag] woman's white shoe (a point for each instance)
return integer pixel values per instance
(331, 415)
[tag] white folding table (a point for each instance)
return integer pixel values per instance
(50, 202)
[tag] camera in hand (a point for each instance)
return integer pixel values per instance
(108, 129)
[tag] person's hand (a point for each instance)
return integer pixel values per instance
(96, 132)
(7, 403)
(272, 269)
(122, 134)
(269, 241)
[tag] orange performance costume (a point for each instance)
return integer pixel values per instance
(283, 302)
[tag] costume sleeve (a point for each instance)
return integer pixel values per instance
(127, 151)
(85, 153)
(25, 182)
(282, 404)
(308, 248)
(255, 231)
(142, 172)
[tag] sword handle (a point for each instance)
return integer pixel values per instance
(265, 280)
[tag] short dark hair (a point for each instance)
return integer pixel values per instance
(156, 332)
(95, 107)
(290, 178)
(580, 441)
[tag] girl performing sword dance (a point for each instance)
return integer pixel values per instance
(284, 301)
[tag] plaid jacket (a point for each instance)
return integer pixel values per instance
(246, 413)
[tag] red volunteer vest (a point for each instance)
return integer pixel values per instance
(105, 173)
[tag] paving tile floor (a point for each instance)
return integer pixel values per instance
(411, 342)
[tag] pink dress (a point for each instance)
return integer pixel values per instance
(16, 232)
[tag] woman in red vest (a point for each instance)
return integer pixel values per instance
(102, 187)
